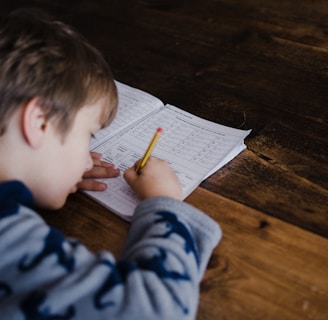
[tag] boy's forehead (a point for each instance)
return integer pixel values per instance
(94, 111)
(98, 112)
(104, 112)
(109, 110)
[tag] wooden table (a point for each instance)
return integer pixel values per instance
(248, 64)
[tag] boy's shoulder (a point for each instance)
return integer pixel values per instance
(14, 194)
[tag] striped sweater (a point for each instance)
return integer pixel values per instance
(44, 275)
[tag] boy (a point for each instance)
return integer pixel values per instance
(55, 92)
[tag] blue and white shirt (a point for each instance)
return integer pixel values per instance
(44, 275)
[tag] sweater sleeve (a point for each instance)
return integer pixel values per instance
(171, 243)
(46, 276)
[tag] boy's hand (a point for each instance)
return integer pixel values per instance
(155, 179)
(100, 169)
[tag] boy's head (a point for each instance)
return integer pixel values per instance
(57, 90)
(44, 58)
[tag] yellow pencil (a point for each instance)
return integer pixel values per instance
(146, 156)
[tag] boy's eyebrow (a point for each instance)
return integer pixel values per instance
(102, 122)
(103, 118)
(106, 116)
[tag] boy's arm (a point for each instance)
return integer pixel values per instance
(171, 242)
(157, 277)
(159, 272)
(167, 248)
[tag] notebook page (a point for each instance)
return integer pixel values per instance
(194, 147)
(134, 105)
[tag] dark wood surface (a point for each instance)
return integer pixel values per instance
(250, 64)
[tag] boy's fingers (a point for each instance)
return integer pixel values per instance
(100, 163)
(130, 175)
(92, 185)
(102, 172)
(96, 155)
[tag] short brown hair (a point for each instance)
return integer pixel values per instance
(44, 58)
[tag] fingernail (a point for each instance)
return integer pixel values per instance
(97, 155)
(108, 165)
(103, 186)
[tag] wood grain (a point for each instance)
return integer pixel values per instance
(250, 64)
(263, 268)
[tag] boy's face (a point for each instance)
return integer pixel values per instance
(68, 158)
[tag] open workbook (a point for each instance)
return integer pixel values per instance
(194, 147)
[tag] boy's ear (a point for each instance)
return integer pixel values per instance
(34, 123)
